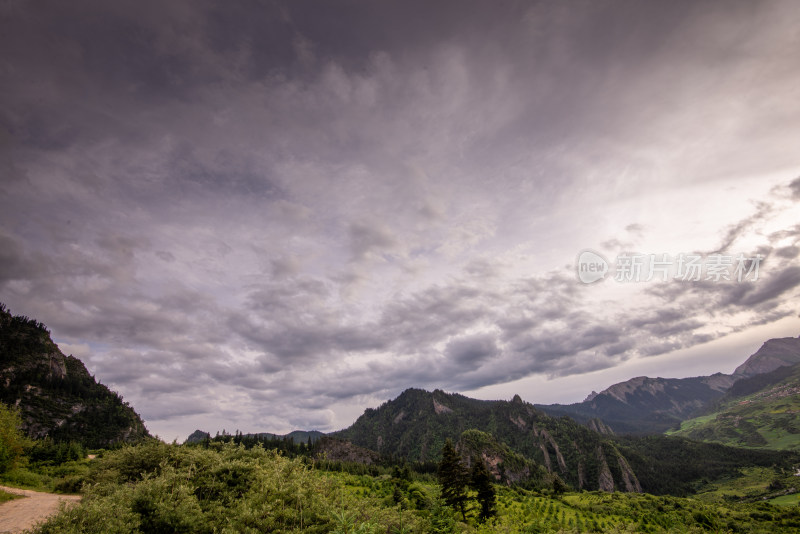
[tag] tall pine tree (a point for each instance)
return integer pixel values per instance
(453, 479)
(481, 481)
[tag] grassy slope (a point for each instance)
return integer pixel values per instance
(768, 418)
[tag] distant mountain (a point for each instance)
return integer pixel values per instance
(762, 411)
(56, 395)
(773, 354)
(297, 436)
(198, 436)
(416, 424)
(644, 405)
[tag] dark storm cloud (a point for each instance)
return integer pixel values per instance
(775, 286)
(794, 186)
(15, 264)
(788, 252)
(287, 205)
(471, 350)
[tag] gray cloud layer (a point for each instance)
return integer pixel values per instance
(251, 212)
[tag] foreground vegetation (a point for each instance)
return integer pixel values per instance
(234, 484)
(227, 488)
(5, 496)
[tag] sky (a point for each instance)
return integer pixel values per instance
(267, 216)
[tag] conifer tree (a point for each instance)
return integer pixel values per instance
(481, 481)
(453, 479)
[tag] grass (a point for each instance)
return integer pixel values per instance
(23, 478)
(692, 424)
(757, 424)
(5, 496)
(64, 478)
(752, 483)
(781, 439)
(786, 500)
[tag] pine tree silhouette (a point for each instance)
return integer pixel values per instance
(453, 479)
(481, 481)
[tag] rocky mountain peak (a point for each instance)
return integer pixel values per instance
(773, 354)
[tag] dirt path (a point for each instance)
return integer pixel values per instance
(21, 514)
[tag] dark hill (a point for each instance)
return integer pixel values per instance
(415, 425)
(56, 395)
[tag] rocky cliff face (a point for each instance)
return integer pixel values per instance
(505, 465)
(773, 354)
(597, 425)
(56, 395)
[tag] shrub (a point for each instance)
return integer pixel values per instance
(12, 440)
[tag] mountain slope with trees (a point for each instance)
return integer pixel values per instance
(416, 425)
(55, 394)
(530, 447)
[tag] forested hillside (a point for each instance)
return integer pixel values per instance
(56, 395)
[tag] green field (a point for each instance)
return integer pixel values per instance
(768, 419)
(754, 484)
(786, 500)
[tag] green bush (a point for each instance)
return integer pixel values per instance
(12, 441)
(24, 478)
(225, 488)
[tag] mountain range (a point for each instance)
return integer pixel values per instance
(644, 405)
(525, 445)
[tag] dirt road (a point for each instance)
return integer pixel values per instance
(21, 514)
